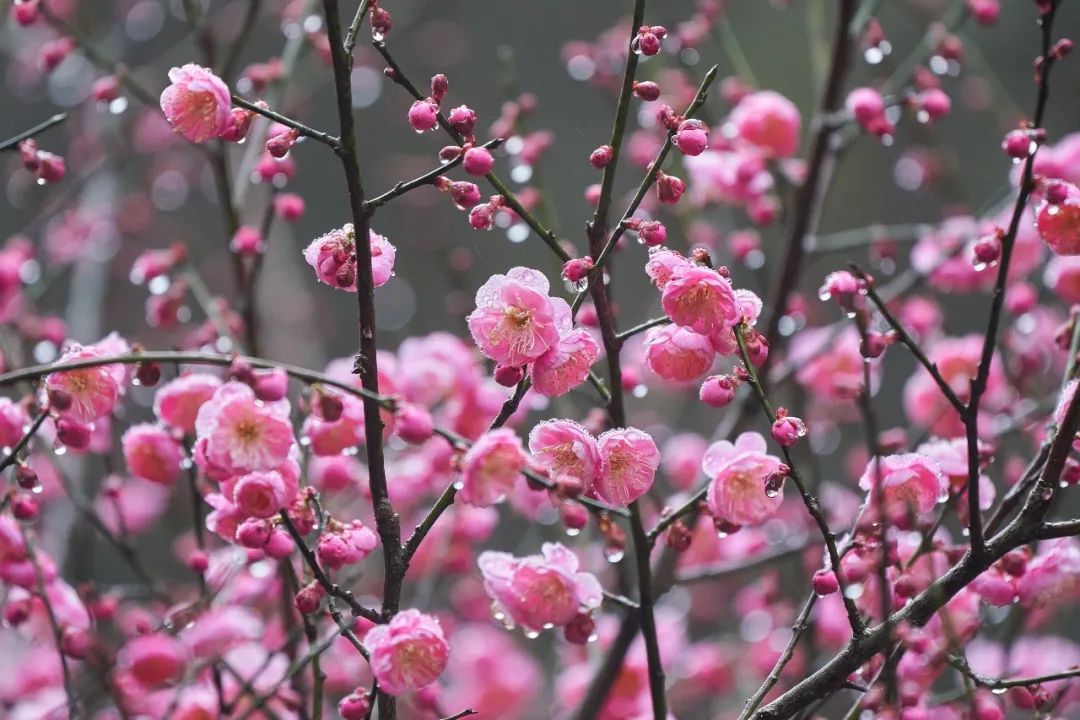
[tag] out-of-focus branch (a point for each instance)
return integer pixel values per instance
(12, 143)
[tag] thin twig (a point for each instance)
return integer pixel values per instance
(982, 376)
(319, 136)
(813, 506)
(427, 178)
(12, 143)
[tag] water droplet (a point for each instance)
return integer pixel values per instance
(532, 634)
(458, 485)
(771, 491)
(824, 295)
(613, 554)
(377, 36)
(548, 626)
(573, 532)
(41, 181)
(999, 690)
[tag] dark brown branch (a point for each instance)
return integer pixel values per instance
(811, 194)
(427, 178)
(982, 376)
(317, 135)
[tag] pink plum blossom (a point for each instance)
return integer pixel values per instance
(629, 459)
(909, 480)
(566, 364)
(491, 467)
(177, 402)
(152, 454)
(539, 591)
(197, 103)
(408, 653)
(565, 449)
(334, 258)
(153, 660)
(241, 434)
(678, 354)
(768, 120)
(701, 299)
(93, 391)
(737, 472)
(515, 321)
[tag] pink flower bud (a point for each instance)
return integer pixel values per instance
(647, 91)
(580, 630)
(75, 642)
(16, 612)
(841, 286)
(328, 407)
(984, 12)
(865, 105)
(198, 562)
(787, 430)
(288, 206)
(253, 533)
(270, 385)
(72, 434)
(669, 188)
(280, 144)
(308, 599)
(601, 156)
(1056, 192)
(692, 137)
(986, 250)
(238, 125)
(280, 545)
(646, 43)
(26, 12)
(28, 151)
(482, 217)
(578, 269)
(332, 551)
(247, 241)
(105, 89)
(652, 232)
(26, 478)
(439, 86)
(478, 161)
(466, 195)
(463, 120)
(423, 115)
(413, 423)
(24, 507)
(1018, 144)
(573, 515)
(825, 583)
(381, 23)
(508, 376)
(935, 103)
(592, 194)
(718, 390)
(354, 706)
(51, 168)
(54, 52)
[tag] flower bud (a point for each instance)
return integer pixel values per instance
(423, 115)
(308, 599)
(413, 423)
(478, 161)
(508, 376)
(825, 583)
(718, 390)
(578, 269)
(601, 156)
(647, 91)
(787, 430)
